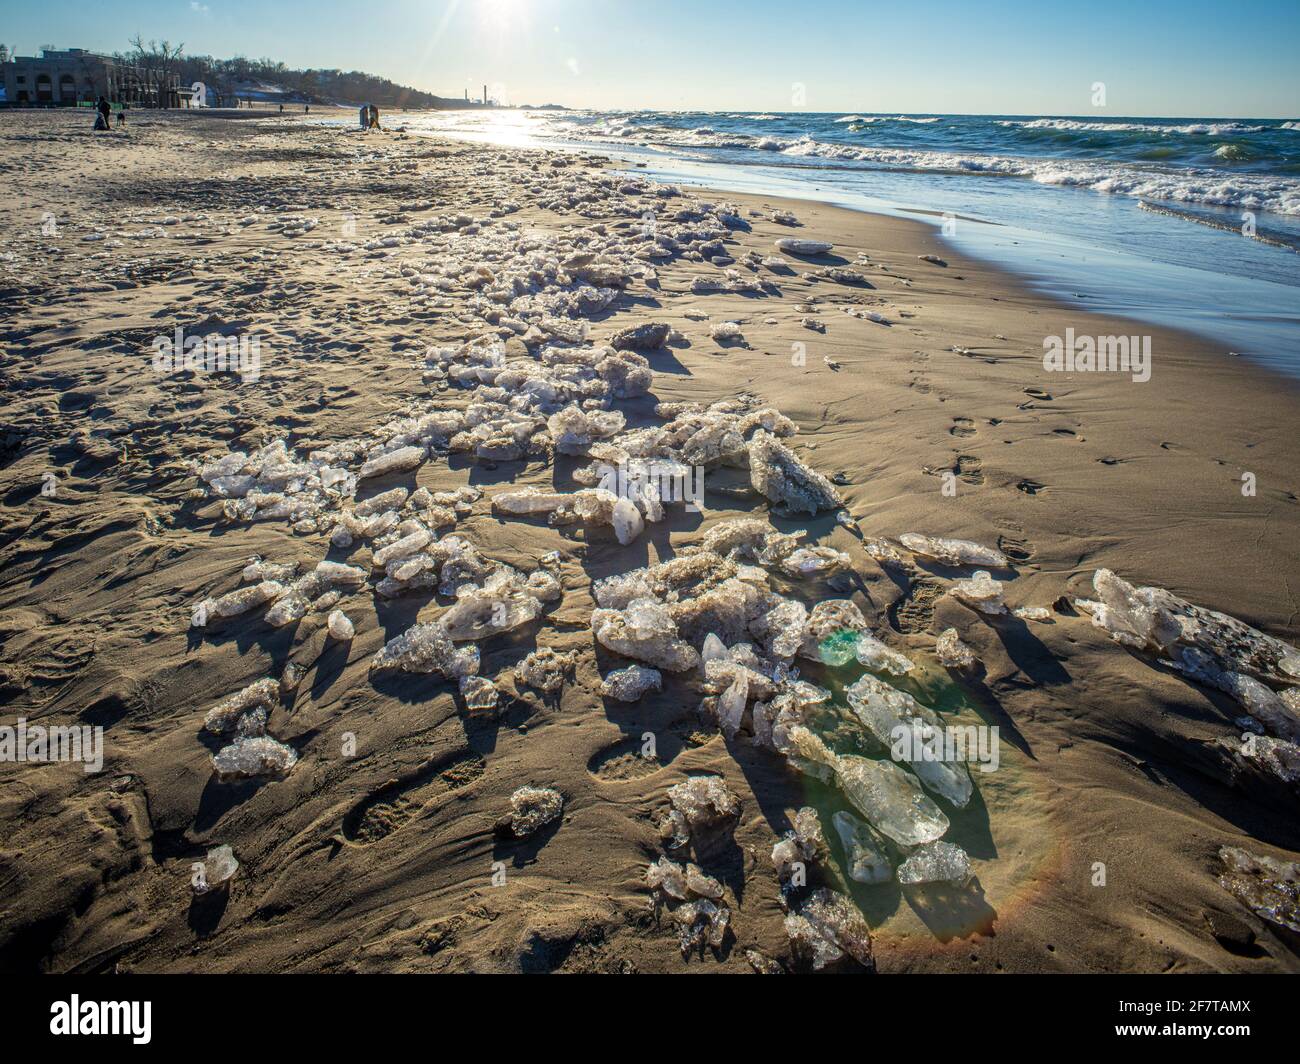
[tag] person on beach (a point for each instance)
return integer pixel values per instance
(369, 115)
(102, 110)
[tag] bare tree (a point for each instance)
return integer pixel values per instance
(160, 63)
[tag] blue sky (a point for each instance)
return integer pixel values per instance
(994, 56)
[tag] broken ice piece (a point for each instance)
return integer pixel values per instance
(802, 845)
(215, 871)
(479, 693)
(235, 602)
(875, 655)
(700, 922)
(914, 734)
(831, 631)
(866, 859)
(258, 755)
(682, 882)
(776, 472)
(939, 862)
(629, 684)
(700, 805)
(1032, 613)
(794, 246)
(544, 669)
(225, 717)
(427, 648)
(826, 927)
(532, 808)
(1266, 886)
(399, 461)
(952, 652)
(953, 551)
(763, 964)
(340, 626)
(890, 799)
(981, 592)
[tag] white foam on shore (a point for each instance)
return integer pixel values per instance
(1211, 129)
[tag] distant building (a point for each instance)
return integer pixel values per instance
(67, 77)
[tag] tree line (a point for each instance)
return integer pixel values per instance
(228, 76)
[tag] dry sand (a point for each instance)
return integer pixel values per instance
(383, 861)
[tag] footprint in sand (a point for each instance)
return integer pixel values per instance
(382, 812)
(622, 762)
(914, 609)
(1015, 547)
(962, 426)
(970, 469)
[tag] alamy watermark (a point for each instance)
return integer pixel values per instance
(1098, 354)
(213, 353)
(22, 742)
(673, 481)
(955, 742)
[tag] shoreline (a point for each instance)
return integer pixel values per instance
(1065, 249)
(1066, 473)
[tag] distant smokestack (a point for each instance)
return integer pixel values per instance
(485, 94)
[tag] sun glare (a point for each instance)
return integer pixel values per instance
(503, 15)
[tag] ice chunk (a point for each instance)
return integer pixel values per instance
(1032, 613)
(875, 655)
(981, 592)
(731, 704)
(258, 755)
(216, 871)
(1266, 886)
(1209, 646)
(544, 669)
(682, 881)
(811, 561)
(826, 927)
(781, 627)
(866, 859)
(714, 649)
(502, 603)
(629, 684)
(403, 548)
(701, 805)
(890, 799)
(398, 461)
(225, 717)
(776, 472)
(832, 632)
(913, 733)
(427, 648)
(938, 862)
(700, 922)
(953, 551)
(627, 520)
(952, 652)
(644, 631)
(644, 337)
(530, 501)
(236, 602)
(803, 844)
(795, 246)
(340, 626)
(479, 693)
(532, 808)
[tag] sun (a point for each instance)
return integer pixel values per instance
(503, 15)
